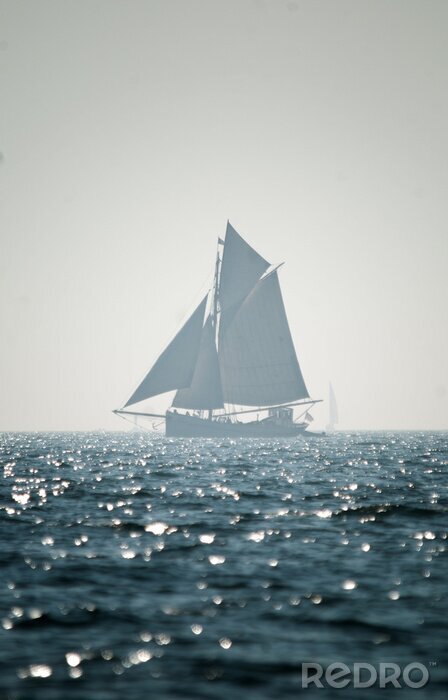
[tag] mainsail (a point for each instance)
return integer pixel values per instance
(242, 352)
(257, 359)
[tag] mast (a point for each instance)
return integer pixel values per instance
(215, 289)
(215, 305)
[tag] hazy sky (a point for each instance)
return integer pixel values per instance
(131, 131)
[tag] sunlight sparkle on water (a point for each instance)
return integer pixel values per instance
(73, 659)
(107, 562)
(216, 559)
(206, 538)
(156, 528)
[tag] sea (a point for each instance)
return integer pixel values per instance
(138, 567)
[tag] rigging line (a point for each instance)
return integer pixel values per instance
(281, 405)
(299, 416)
(129, 420)
(120, 412)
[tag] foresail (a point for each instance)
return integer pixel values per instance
(175, 367)
(241, 269)
(257, 359)
(205, 389)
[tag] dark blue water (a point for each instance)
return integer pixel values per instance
(135, 567)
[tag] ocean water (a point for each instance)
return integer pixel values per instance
(137, 567)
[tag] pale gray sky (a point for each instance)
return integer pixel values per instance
(131, 131)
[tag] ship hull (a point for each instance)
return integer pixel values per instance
(181, 425)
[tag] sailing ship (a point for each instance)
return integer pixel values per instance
(233, 359)
(332, 410)
(332, 419)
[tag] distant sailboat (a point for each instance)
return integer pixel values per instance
(233, 357)
(333, 410)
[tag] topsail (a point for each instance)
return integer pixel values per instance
(241, 269)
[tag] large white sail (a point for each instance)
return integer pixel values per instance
(175, 367)
(204, 391)
(257, 359)
(241, 269)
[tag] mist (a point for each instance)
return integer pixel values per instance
(131, 132)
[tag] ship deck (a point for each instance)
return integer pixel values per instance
(183, 425)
